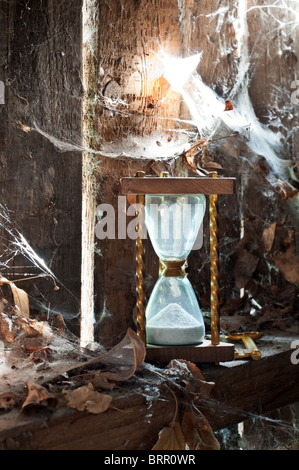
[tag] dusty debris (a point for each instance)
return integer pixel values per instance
(112, 367)
(105, 372)
(7, 401)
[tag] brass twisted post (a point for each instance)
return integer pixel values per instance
(163, 174)
(214, 252)
(140, 301)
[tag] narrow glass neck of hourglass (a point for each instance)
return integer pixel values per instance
(175, 268)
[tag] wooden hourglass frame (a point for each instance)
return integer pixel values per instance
(141, 185)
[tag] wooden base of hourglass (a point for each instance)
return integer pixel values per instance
(203, 353)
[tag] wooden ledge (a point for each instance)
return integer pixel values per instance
(141, 408)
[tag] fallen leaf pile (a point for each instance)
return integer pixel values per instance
(193, 433)
(84, 386)
(197, 431)
(87, 386)
(34, 338)
(266, 266)
(105, 372)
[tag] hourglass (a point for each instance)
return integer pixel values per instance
(173, 316)
(171, 324)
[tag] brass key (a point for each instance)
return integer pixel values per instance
(251, 349)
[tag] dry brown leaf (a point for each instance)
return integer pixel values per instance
(232, 306)
(171, 438)
(87, 399)
(119, 363)
(268, 236)
(245, 266)
(39, 396)
(159, 167)
(20, 297)
(288, 264)
(190, 156)
(124, 358)
(198, 433)
(58, 323)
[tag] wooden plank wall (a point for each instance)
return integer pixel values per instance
(40, 130)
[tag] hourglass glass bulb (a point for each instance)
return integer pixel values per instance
(173, 316)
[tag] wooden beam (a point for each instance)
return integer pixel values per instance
(141, 408)
(244, 389)
(200, 185)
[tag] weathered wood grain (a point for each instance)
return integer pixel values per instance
(40, 170)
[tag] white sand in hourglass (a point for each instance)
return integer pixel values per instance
(173, 325)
